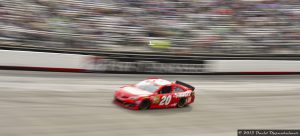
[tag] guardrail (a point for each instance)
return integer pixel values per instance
(128, 63)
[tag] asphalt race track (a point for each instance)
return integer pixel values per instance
(80, 104)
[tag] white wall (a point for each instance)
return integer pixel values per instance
(40, 59)
(75, 61)
(253, 66)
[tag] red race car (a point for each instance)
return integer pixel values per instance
(155, 93)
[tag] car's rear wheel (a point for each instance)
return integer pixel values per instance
(181, 103)
(145, 104)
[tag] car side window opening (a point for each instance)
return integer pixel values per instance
(165, 90)
(178, 89)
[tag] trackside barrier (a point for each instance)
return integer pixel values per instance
(109, 65)
(41, 60)
(29, 60)
(253, 66)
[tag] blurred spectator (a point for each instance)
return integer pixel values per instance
(223, 26)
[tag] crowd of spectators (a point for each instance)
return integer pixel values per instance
(251, 26)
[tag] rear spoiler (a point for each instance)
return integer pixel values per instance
(186, 85)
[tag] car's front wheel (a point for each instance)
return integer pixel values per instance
(145, 104)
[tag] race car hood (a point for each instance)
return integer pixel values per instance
(133, 91)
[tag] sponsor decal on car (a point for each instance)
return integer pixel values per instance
(155, 99)
(183, 94)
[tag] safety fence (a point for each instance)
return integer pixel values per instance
(50, 61)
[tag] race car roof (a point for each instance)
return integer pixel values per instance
(160, 82)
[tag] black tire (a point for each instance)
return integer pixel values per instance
(145, 104)
(181, 103)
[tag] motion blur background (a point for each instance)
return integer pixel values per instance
(202, 40)
(190, 26)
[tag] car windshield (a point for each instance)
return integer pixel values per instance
(147, 86)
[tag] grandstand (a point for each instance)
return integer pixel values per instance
(195, 26)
